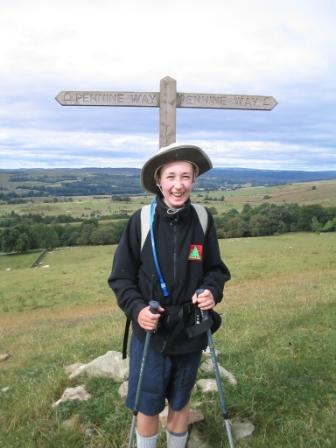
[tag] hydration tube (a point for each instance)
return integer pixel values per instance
(163, 285)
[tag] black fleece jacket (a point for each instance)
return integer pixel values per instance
(188, 259)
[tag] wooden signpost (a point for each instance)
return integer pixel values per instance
(167, 100)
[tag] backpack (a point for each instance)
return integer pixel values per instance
(145, 225)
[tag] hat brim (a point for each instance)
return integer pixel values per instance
(173, 153)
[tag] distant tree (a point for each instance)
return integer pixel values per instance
(260, 225)
(117, 198)
(85, 232)
(48, 238)
(213, 210)
(316, 225)
(101, 235)
(306, 214)
(36, 236)
(247, 212)
(117, 229)
(329, 226)
(22, 243)
(8, 240)
(69, 236)
(231, 213)
(236, 227)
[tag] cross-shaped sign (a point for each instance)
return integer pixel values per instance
(167, 100)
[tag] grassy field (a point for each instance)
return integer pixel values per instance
(323, 192)
(80, 206)
(278, 339)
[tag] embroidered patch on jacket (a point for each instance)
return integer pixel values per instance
(195, 252)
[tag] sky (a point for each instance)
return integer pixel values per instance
(285, 49)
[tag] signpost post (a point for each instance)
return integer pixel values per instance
(167, 100)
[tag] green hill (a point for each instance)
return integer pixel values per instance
(277, 339)
(108, 181)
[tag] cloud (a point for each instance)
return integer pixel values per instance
(284, 49)
(205, 43)
(44, 149)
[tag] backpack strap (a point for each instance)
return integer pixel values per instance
(145, 224)
(145, 220)
(125, 340)
(202, 216)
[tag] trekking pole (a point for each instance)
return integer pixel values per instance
(220, 387)
(154, 306)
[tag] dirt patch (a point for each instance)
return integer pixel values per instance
(72, 314)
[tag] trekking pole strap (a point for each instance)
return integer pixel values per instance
(125, 340)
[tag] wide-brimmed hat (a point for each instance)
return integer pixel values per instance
(172, 153)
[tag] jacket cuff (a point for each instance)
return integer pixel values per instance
(214, 292)
(136, 310)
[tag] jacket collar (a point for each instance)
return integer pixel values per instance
(163, 210)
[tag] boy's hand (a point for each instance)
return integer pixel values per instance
(147, 320)
(205, 300)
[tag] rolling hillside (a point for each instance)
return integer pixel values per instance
(100, 181)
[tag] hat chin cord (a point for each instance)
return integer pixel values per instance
(170, 210)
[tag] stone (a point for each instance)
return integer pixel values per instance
(242, 428)
(195, 416)
(207, 367)
(110, 365)
(90, 432)
(73, 393)
(207, 385)
(4, 356)
(196, 440)
(123, 389)
(73, 367)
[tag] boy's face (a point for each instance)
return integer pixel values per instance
(176, 181)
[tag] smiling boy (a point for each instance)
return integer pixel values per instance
(187, 259)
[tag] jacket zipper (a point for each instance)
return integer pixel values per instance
(174, 253)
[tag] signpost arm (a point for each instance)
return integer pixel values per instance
(167, 111)
(167, 100)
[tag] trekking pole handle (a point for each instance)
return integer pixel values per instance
(204, 314)
(154, 306)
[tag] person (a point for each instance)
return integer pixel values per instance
(189, 261)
